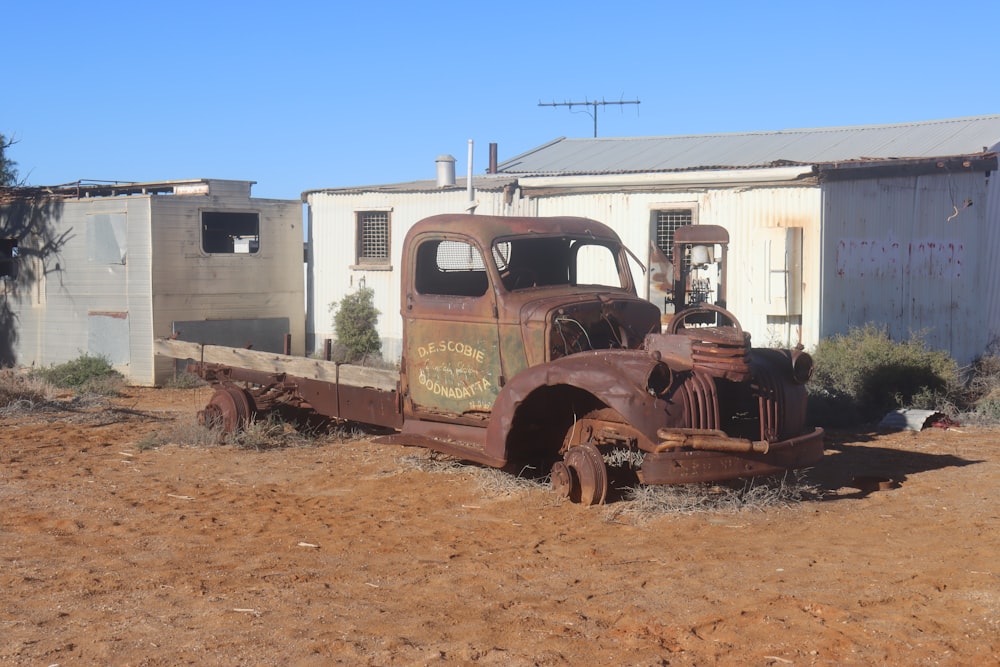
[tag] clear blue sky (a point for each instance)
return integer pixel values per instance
(303, 95)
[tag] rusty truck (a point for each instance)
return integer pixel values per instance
(525, 346)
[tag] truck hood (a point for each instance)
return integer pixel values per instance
(560, 322)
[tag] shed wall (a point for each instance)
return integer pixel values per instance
(750, 215)
(909, 255)
(189, 284)
(91, 295)
(991, 287)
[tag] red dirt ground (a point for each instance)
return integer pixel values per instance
(338, 553)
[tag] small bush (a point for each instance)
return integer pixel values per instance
(87, 374)
(864, 374)
(354, 323)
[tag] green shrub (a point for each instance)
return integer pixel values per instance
(87, 373)
(354, 323)
(864, 374)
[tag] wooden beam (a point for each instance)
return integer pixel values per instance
(269, 362)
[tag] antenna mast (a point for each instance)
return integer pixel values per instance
(588, 103)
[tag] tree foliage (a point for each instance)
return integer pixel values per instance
(354, 323)
(30, 239)
(8, 168)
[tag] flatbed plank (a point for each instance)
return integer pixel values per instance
(269, 362)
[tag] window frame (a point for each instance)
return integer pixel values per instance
(363, 260)
(213, 249)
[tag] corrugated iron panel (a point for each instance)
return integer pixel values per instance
(601, 155)
(991, 273)
(908, 254)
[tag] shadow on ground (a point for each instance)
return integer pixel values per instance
(855, 464)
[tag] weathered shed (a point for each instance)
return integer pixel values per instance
(104, 268)
(830, 228)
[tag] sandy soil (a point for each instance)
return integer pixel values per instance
(342, 554)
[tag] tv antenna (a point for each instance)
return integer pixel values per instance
(588, 103)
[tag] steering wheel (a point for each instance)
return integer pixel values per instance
(520, 278)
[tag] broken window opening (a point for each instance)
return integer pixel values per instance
(546, 261)
(227, 232)
(9, 255)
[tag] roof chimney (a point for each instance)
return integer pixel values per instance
(445, 171)
(493, 159)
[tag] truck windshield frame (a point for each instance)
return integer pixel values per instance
(525, 262)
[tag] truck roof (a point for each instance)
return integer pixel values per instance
(486, 228)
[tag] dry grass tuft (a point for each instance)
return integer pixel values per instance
(21, 393)
(491, 482)
(185, 431)
(756, 494)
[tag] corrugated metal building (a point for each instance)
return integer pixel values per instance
(829, 228)
(103, 269)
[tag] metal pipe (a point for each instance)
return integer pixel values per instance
(469, 178)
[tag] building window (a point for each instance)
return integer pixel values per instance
(665, 223)
(372, 237)
(228, 232)
(8, 258)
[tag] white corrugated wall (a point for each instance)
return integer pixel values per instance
(909, 254)
(749, 214)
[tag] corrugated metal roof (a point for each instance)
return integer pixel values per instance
(489, 182)
(959, 136)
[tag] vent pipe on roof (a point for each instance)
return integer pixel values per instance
(445, 171)
(493, 159)
(470, 206)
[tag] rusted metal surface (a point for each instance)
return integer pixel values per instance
(687, 466)
(589, 476)
(230, 409)
(264, 392)
(512, 358)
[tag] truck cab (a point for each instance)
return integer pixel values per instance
(526, 344)
(486, 298)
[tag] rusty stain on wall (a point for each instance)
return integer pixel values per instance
(889, 259)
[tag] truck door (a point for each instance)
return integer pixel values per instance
(451, 350)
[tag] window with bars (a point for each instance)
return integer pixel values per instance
(373, 237)
(665, 223)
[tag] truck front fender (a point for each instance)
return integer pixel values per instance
(544, 400)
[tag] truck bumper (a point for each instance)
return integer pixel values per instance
(684, 466)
